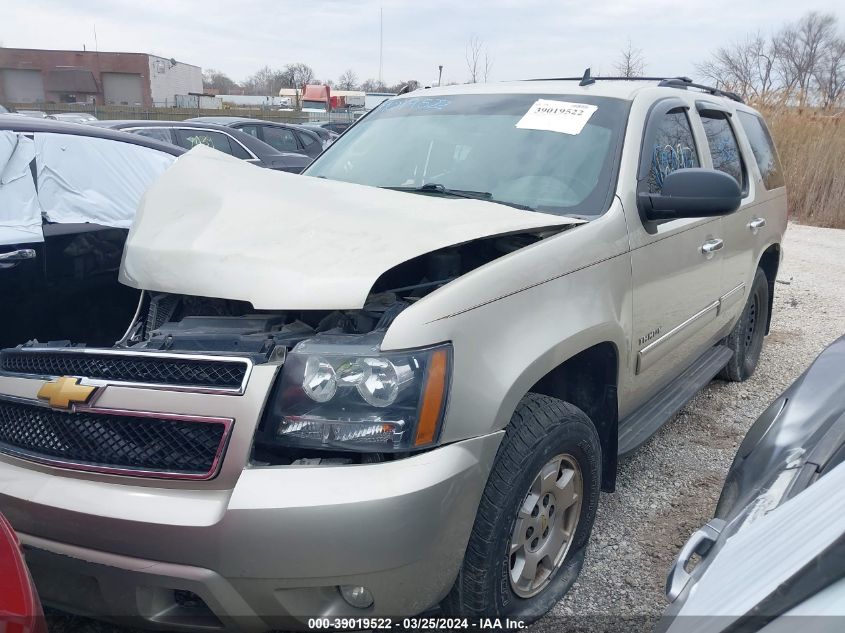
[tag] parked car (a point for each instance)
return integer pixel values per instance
(281, 136)
(326, 136)
(338, 127)
(68, 197)
(20, 608)
(798, 441)
(403, 381)
(35, 114)
(239, 144)
(4, 109)
(73, 117)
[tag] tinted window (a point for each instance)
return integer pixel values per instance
(191, 138)
(763, 149)
(159, 134)
(252, 130)
(306, 139)
(280, 138)
(674, 148)
(723, 146)
(238, 150)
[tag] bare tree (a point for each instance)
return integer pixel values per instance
(373, 85)
(746, 68)
(348, 80)
(265, 81)
(487, 66)
(479, 60)
(298, 75)
(631, 62)
(217, 80)
(830, 74)
(412, 85)
(800, 48)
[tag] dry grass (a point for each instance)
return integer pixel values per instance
(812, 149)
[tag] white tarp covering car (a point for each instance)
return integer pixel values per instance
(20, 212)
(79, 179)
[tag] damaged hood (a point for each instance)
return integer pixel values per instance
(216, 226)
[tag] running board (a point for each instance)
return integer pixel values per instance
(647, 420)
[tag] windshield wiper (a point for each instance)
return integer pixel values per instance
(438, 189)
(432, 187)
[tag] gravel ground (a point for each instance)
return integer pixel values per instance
(669, 487)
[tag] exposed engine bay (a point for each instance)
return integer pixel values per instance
(182, 323)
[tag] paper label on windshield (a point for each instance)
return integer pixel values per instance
(557, 116)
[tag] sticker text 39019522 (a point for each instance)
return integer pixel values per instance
(557, 116)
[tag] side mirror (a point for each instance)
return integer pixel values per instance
(692, 193)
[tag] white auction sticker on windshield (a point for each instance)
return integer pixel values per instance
(557, 116)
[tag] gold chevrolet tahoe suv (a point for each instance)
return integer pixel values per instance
(398, 382)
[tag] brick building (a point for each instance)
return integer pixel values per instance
(39, 76)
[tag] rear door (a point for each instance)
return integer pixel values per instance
(761, 220)
(676, 264)
(724, 153)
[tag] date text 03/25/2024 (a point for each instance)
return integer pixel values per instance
(416, 624)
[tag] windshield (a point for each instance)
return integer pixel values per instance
(314, 105)
(472, 143)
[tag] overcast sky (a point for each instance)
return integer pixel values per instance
(525, 38)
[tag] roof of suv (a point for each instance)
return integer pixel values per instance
(618, 88)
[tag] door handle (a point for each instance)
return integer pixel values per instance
(756, 224)
(699, 543)
(19, 255)
(710, 247)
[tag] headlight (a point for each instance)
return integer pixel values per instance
(342, 393)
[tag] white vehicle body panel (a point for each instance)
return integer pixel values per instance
(798, 531)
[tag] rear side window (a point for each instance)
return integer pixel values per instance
(158, 133)
(238, 150)
(306, 139)
(189, 138)
(723, 146)
(763, 149)
(674, 148)
(280, 138)
(252, 130)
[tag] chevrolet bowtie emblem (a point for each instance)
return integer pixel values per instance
(64, 391)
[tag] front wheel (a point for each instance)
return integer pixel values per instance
(535, 517)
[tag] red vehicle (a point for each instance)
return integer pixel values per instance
(20, 608)
(319, 98)
(316, 98)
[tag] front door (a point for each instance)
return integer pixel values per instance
(676, 264)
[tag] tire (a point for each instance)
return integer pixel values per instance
(746, 339)
(541, 430)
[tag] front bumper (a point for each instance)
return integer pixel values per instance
(272, 549)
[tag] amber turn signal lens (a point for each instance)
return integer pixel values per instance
(435, 391)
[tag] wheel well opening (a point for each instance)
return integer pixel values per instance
(769, 262)
(588, 380)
